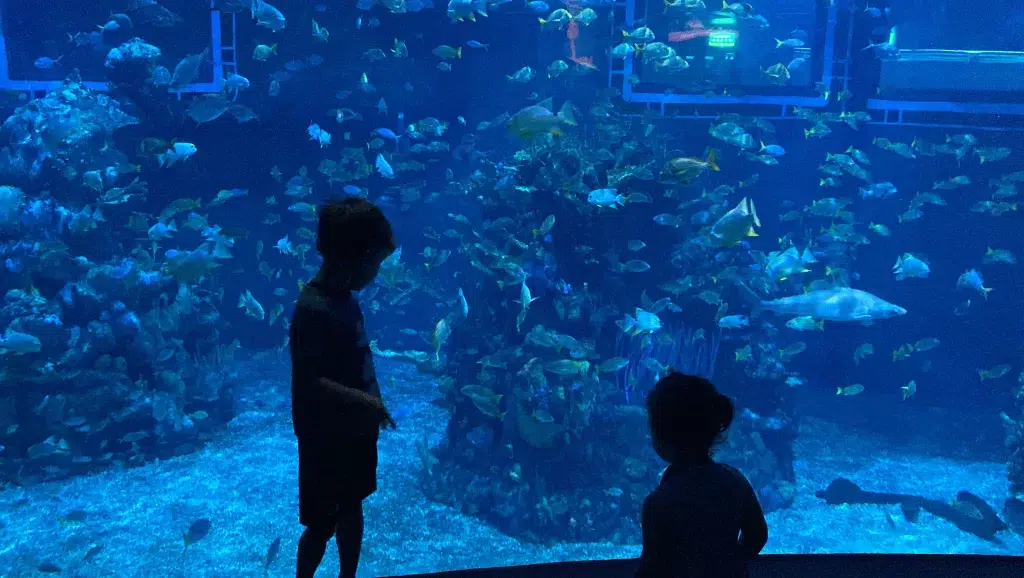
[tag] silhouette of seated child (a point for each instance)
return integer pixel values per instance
(703, 520)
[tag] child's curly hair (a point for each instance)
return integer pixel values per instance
(688, 414)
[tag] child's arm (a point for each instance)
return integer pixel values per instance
(655, 559)
(330, 371)
(353, 396)
(753, 526)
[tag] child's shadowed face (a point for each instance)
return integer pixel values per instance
(364, 275)
(663, 449)
(365, 272)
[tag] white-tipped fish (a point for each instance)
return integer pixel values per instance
(908, 266)
(251, 305)
(179, 151)
(736, 225)
(267, 16)
(384, 168)
(463, 303)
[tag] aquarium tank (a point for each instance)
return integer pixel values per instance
(812, 203)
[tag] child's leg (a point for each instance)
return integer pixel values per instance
(349, 536)
(312, 545)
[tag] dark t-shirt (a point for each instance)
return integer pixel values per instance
(328, 340)
(693, 520)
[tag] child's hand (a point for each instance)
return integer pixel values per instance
(386, 421)
(358, 398)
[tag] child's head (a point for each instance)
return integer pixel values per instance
(687, 416)
(354, 237)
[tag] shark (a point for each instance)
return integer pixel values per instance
(835, 304)
(968, 512)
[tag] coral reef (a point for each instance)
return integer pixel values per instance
(548, 436)
(554, 451)
(65, 131)
(106, 357)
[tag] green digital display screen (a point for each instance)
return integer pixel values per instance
(722, 39)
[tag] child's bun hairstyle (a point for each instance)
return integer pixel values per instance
(688, 414)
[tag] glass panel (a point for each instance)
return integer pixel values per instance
(959, 25)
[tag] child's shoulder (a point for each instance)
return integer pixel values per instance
(314, 306)
(685, 475)
(684, 484)
(733, 470)
(311, 302)
(728, 472)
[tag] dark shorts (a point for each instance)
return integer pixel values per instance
(334, 477)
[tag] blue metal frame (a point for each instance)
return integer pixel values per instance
(941, 106)
(805, 101)
(989, 110)
(216, 85)
(630, 11)
(946, 126)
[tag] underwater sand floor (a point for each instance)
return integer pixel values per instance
(245, 483)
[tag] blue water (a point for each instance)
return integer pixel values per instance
(140, 396)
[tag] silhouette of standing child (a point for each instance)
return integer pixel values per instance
(703, 520)
(337, 410)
